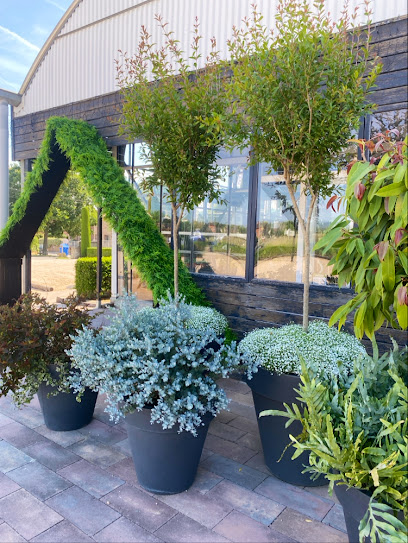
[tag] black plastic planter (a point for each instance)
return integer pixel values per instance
(62, 412)
(166, 462)
(271, 391)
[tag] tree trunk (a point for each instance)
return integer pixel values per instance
(45, 242)
(175, 250)
(306, 277)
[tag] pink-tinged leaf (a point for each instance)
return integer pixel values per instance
(399, 234)
(387, 205)
(331, 201)
(359, 191)
(402, 295)
(370, 145)
(381, 249)
(350, 165)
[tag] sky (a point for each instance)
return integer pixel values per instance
(25, 26)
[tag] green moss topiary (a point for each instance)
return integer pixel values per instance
(92, 251)
(137, 233)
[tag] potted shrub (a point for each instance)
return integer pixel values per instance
(158, 368)
(273, 355)
(34, 336)
(355, 432)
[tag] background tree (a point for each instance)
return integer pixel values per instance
(297, 95)
(14, 184)
(64, 214)
(169, 115)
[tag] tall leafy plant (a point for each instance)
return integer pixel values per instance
(165, 105)
(297, 94)
(85, 231)
(373, 255)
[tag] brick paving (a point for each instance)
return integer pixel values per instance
(81, 486)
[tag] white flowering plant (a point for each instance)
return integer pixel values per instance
(154, 358)
(207, 317)
(280, 350)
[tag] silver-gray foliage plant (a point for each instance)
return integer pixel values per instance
(153, 358)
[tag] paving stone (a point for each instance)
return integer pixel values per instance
(197, 506)
(139, 507)
(305, 530)
(11, 458)
(97, 453)
(244, 399)
(227, 448)
(84, 511)
(245, 425)
(38, 480)
(27, 515)
(8, 535)
(205, 454)
(251, 441)
(235, 385)
(19, 435)
(90, 478)
(122, 530)
(102, 432)
(25, 415)
(205, 480)
(63, 532)
(225, 416)
(242, 410)
(223, 430)
(294, 497)
(258, 462)
(124, 447)
(51, 455)
(245, 501)
(125, 470)
(233, 471)
(323, 492)
(7, 486)
(64, 439)
(182, 529)
(5, 420)
(35, 403)
(335, 518)
(100, 414)
(243, 529)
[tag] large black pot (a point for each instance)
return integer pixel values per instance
(271, 391)
(62, 412)
(166, 462)
(355, 504)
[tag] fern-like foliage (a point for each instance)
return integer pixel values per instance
(355, 429)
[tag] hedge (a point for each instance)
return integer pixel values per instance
(85, 277)
(142, 242)
(91, 251)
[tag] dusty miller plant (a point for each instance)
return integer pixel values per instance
(298, 92)
(167, 95)
(154, 358)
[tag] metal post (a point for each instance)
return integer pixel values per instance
(4, 159)
(99, 259)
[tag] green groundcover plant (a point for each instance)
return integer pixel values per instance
(137, 232)
(159, 358)
(34, 334)
(355, 429)
(280, 350)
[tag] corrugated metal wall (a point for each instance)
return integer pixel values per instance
(80, 62)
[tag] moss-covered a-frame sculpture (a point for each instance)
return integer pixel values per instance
(77, 145)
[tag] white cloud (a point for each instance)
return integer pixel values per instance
(9, 85)
(56, 5)
(18, 38)
(11, 65)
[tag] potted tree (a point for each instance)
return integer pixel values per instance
(298, 111)
(158, 368)
(273, 357)
(34, 336)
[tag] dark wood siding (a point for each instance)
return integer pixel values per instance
(389, 43)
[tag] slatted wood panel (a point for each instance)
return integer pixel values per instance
(389, 43)
(260, 303)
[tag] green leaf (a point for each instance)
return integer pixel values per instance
(400, 172)
(388, 270)
(402, 315)
(392, 190)
(357, 172)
